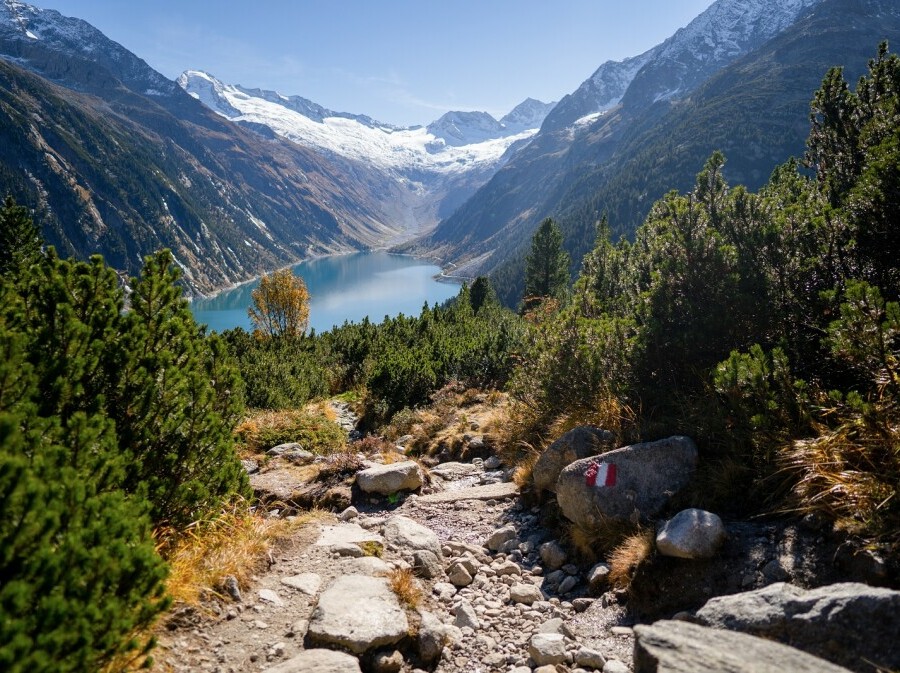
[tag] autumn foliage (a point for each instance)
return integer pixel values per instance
(280, 305)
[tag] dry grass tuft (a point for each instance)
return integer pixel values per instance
(628, 556)
(524, 461)
(235, 543)
(407, 587)
(313, 428)
(593, 544)
(606, 412)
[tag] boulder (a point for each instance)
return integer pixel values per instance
(681, 647)
(853, 625)
(292, 452)
(581, 442)
(357, 613)
(431, 638)
(634, 481)
(318, 661)
(691, 534)
(406, 533)
(390, 478)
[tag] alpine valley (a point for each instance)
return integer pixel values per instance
(112, 157)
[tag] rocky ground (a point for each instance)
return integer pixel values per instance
(498, 592)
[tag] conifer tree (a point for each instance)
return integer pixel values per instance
(20, 240)
(547, 265)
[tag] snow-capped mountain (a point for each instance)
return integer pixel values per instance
(26, 31)
(722, 33)
(584, 132)
(456, 143)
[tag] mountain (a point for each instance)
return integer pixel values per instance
(434, 168)
(586, 133)
(112, 157)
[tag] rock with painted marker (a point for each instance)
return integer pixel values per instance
(630, 483)
(580, 442)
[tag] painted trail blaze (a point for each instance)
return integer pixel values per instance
(600, 475)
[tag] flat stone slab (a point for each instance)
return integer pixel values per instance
(451, 471)
(345, 533)
(318, 661)
(358, 613)
(307, 583)
(501, 491)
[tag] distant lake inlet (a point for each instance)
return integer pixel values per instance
(341, 288)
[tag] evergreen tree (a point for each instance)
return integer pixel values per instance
(547, 265)
(20, 240)
(481, 293)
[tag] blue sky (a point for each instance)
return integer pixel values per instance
(399, 61)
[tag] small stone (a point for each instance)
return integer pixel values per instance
(581, 604)
(387, 662)
(232, 588)
(621, 631)
(525, 593)
(500, 537)
(270, 596)
(426, 564)
(691, 534)
(349, 514)
(492, 463)
(260, 624)
(567, 584)
(466, 617)
(547, 648)
(553, 555)
(589, 658)
(598, 577)
(307, 583)
(615, 666)
(508, 568)
(459, 576)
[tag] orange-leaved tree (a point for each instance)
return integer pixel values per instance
(280, 305)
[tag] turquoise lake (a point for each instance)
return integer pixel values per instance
(342, 288)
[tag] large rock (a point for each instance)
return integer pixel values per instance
(404, 532)
(691, 534)
(581, 442)
(854, 625)
(390, 478)
(547, 648)
(634, 481)
(318, 661)
(681, 647)
(358, 613)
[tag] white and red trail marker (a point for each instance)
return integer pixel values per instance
(600, 475)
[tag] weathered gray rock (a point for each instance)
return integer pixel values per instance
(318, 661)
(431, 638)
(292, 452)
(459, 575)
(588, 658)
(452, 471)
(232, 588)
(634, 481)
(615, 666)
(365, 565)
(390, 478)
(850, 624)
(525, 593)
(307, 583)
(500, 537)
(547, 648)
(349, 514)
(390, 661)
(553, 556)
(404, 532)
(426, 564)
(269, 596)
(598, 578)
(581, 442)
(340, 620)
(681, 647)
(691, 534)
(465, 616)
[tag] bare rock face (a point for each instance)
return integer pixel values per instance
(338, 619)
(681, 647)
(691, 534)
(581, 442)
(390, 478)
(850, 624)
(632, 482)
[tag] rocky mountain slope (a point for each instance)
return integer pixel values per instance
(114, 158)
(633, 106)
(434, 168)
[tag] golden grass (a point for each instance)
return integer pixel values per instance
(236, 543)
(406, 586)
(593, 544)
(314, 428)
(628, 555)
